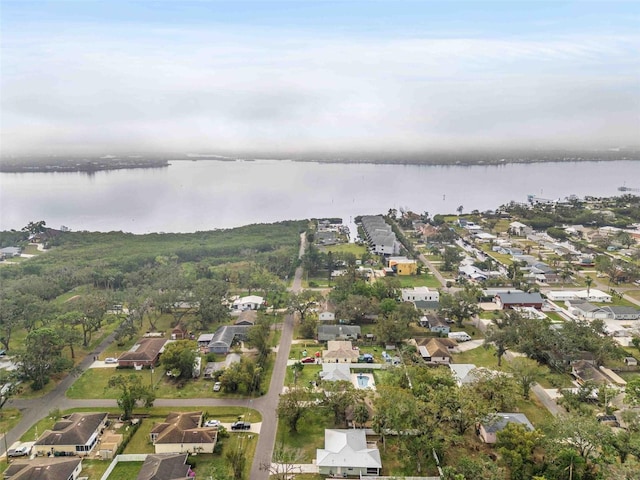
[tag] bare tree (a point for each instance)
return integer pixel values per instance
(284, 464)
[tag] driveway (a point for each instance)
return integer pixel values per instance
(470, 345)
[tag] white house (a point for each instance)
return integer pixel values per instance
(423, 294)
(250, 302)
(594, 295)
(346, 452)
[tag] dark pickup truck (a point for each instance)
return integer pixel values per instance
(240, 426)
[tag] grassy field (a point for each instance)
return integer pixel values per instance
(94, 469)
(310, 434)
(125, 471)
(9, 418)
(633, 294)
(424, 280)
(354, 248)
(480, 357)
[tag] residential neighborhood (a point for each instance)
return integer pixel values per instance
(422, 348)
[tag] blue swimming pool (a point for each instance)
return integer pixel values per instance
(363, 381)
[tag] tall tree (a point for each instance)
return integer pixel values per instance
(179, 358)
(526, 373)
(292, 407)
(41, 356)
(131, 392)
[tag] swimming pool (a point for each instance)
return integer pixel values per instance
(363, 381)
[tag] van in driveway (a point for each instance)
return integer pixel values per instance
(460, 336)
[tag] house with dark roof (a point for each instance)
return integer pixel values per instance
(166, 466)
(585, 310)
(587, 372)
(44, 468)
(247, 317)
(622, 313)
(488, 429)
(435, 323)
(183, 433)
(426, 306)
(223, 338)
(518, 299)
(74, 434)
(338, 332)
(145, 353)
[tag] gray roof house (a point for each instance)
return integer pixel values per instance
(74, 434)
(622, 313)
(334, 372)
(165, 466)
(223, 337)
(338, 332)
(517, 299)
(346, 452)
(490, 427)
(44, 468)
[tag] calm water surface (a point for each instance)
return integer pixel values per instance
(203, 195)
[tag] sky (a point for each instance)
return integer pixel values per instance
(80, 76)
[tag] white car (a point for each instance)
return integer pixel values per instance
(110, 360)
(212, 423)
(217, 386)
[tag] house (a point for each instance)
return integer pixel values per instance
(630, 362)
(403, 266)
(586, 310)
(44, 468)
(74, 434)
(247, 317)
(328, 313)
(347, 453)
(379, 235)
(472, 272)
(420, 294)
(425, 306)
(145, 353)
(212, 367)
(338, 332)
(166, 466)
(183, 433)
(204, 340)
(435, 323)
(250, 302)
(435, 352)
(463, 373)
(339, 351)
(179, 333)
(224, 337)
(490, 427)
(334, 372)
(593, 295)
(8, 252)
(621, 313)
(586, 372)
(519, 229)
(513, 299)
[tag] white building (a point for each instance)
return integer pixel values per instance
(347, 453)
(250, 302)
(423, 294)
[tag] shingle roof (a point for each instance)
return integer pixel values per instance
(74, 429)
(42, 468)
(226, 334)
(145, 350)
(183, 428)
(520, 297)
(165, 466)
(501, 420)
(347, 448)
(330, 332)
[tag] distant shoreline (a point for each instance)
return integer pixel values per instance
(98, 164)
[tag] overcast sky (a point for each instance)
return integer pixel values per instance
(213, 76)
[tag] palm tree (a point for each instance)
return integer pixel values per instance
(588, 280)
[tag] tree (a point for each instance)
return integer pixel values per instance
(517, 444)
(303, 302)
(460, 306)
(632, 392)
(309, 326)
(357, 308)
(35, 227)
(451, 258)
(588, 281)
(526, 372)
(391, 329)
(131, 392)
(338, 397)
(360, 413)
(237, 460)
(41, 356)
(293, 406)
(259, 336)
(10, 386)
(502, 334)
(284, 464)
(179, 358)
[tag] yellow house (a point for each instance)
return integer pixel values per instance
(183, 433)
(403, 266)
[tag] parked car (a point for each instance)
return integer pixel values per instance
(308, 360)
(110, 360)
(18, 452)
(217, 386)
(240, 426)
(212, 423)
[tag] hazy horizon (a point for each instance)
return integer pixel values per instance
(407, 77)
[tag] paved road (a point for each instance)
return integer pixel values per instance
(33, 410)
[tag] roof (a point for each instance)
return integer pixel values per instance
(205, 337)
(167, 466)
(227, 333)
(347, 448)
(584, 306)
(147, 349)
(247, 317)
(461, 372)
(426, 305)
(519, 297)
(73, 429)
(183, 428)
(329, 332)
(333, 372)
(437, 349)
(587, 372)
(500, 420)
(622, 310)
(340, 349)
(436, 321)
(42, 468)
(249, 299)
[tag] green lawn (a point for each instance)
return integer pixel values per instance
(424, 280)
(310, 434)
(308, 374)
(94, 469)
(480, 357)
(633, 294)
(9, 418)
(354, 248)
(125, 471)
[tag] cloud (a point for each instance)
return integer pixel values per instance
(141, 88)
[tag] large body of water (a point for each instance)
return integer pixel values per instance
(204, 195)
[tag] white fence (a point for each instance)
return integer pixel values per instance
(132, 457)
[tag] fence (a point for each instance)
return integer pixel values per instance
(131, 457)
